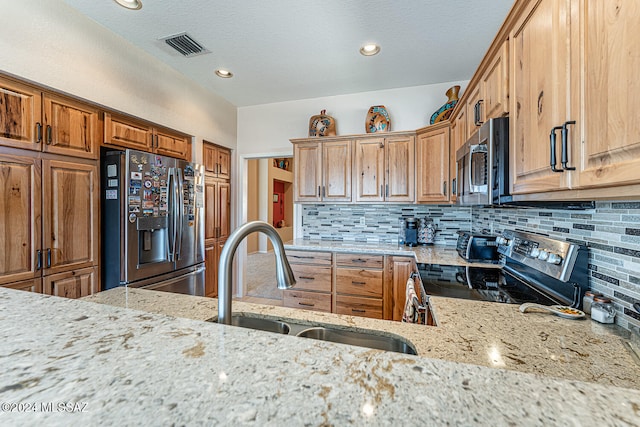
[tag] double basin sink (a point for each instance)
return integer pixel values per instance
(361, 338)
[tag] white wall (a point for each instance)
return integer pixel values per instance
(52, 44)
(266, 129)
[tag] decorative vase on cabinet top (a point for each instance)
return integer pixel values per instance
(322, 125)
(444, 112)
(378, 120)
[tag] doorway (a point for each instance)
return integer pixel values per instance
(269, 198)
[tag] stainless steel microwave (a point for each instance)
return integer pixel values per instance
(483, 165)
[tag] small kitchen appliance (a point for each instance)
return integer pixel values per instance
(409, 231)
(477, 247)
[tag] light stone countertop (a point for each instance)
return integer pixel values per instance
(434, 254)
(128, 367)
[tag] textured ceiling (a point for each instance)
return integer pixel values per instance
(281, 50)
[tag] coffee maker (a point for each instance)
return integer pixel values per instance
(409, 231)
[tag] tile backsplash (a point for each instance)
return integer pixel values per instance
(379, 223)
(611, 231)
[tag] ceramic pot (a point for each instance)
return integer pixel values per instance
(378, 120)
(445, 111)
(322, 125)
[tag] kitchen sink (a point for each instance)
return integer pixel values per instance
(259, 323)
(360, 338)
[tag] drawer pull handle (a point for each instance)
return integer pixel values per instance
(359, 260)
(306, 304)
(301, 257)
(353, 282)
(307, 277)
(357, 310)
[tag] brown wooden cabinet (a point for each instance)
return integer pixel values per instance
(474, 109)
(322, 171)
(400, 271)
(127, 132)
(457, 139)
(217, 160)
(359, 285)
(313, 272)
(384, 168)
(432, 152)
(72, 284)
(35, 120)
(606, 149)
(495, 85)
(32, 285)
(217, 223)
(51, 222)
(540, 92)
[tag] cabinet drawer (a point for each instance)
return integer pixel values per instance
(309, 257)
(312, 277)
(360, 260)
(307, 300)
(359, 306)
(355, 281)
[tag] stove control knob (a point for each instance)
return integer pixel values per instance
(543, 255)
(502, 241)
(554, 259)
(535, 252)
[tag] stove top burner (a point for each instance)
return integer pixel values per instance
(479, 284)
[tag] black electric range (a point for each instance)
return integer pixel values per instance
(531, 268)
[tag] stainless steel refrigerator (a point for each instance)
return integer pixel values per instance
(152, 222)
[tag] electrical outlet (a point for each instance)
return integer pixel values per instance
(362, 221)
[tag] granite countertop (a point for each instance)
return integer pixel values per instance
(115, 365)
(434, 254)
(480, 333)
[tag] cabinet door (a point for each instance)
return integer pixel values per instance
(70, 127)
(223, 214)
(457, 139)
(168, 144)
(308, 171)
(400, 169)
(540, 90)
(495, 83)
(433, 166)
(31, 285)
(209, 155)
(70, 215)
(71, 284)
(20, 113)
(20, 226)
(224, 163)
(211, 272)
(210, 210)
(336, 165)
(402, 269)
(610, 150)
(127, 133)
(369, 173)
(475, 109)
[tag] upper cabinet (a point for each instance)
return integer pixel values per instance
(608, 152)
(384, 168)
(432, 155)
(127, 132)
(540, 93)
(572, 111)
(458, 136)
(35, 120)
(217, 160)
(322, 171)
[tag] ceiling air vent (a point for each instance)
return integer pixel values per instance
(185, 44)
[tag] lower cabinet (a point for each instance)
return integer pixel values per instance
(31, 285)
(71, 284)
(359, 285)
(400, 271)
(313, 272)
(305, 300)
(212, 261)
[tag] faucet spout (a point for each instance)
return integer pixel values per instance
(284, 275)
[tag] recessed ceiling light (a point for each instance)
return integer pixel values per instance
(130, 4)
(369, 49)
(225, 74)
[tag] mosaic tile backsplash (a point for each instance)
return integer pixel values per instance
(611, 231)
(379, 223)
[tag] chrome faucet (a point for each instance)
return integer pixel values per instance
(284, 275)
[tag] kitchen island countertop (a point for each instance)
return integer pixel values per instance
(125, 366)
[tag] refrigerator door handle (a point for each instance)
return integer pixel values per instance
(172, 209)
(180, 216)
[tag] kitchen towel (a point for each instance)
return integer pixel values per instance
(411, 314)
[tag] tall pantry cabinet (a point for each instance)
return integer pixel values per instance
(217, 165)
(48, 191)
